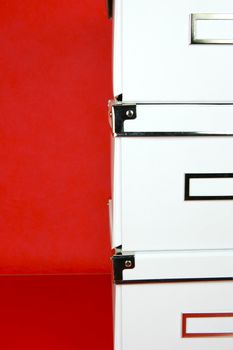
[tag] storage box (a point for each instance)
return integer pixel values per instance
(177, 51)
(172, 177)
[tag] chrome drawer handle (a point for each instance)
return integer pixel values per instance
(197, 17)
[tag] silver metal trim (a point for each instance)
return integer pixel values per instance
(208, 16)
(121, 107)
(171, 134)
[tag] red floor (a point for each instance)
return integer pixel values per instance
(56, 312)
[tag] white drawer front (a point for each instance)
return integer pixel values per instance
(175, 193)
(176, 316)
(169, 50)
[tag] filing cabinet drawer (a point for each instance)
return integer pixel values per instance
(177, 315)
(174, 300)
(173, 50)
(174, 192)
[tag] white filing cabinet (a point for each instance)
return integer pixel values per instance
(171, 211)
(177, 51)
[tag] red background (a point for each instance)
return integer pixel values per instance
(55, 80)
(55, 313)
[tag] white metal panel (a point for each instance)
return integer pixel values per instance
(180, 265)
(154, 214)
(158, 61)
(175, 118)
(152, 315)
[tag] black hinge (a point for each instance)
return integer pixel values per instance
(120, 263)
(110, 8)
(122, 112)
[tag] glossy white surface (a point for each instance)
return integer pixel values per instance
(149, 194)
(151, 315)
(153, 57)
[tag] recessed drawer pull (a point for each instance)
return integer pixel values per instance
(211, 28)
(208, 187)
(207, 325)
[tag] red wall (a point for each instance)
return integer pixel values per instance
(55, 80)
(56, 312)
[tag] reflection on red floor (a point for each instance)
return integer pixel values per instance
(56, 312)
